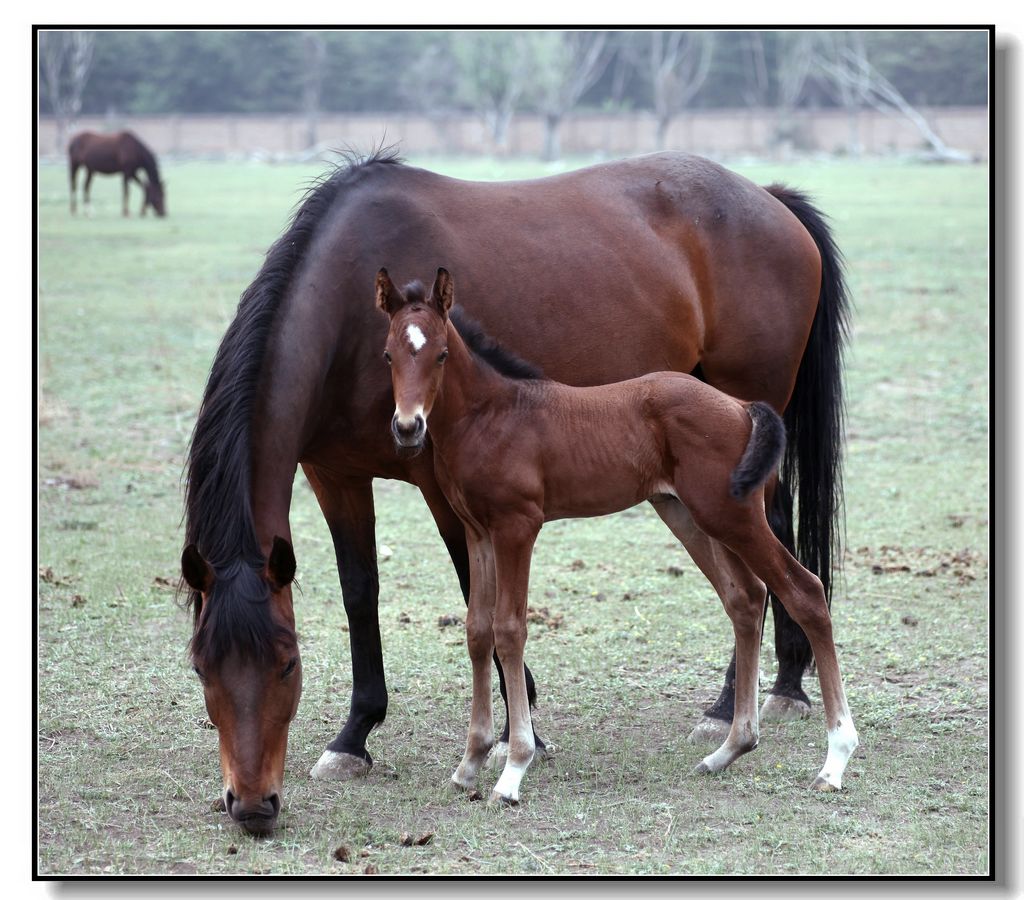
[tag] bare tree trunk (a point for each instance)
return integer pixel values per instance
(552, 137)
(65, 59)
(315, 54)
(852, 71)
(661, 133)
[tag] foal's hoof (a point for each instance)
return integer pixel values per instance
(784, 709)
(824, 786)
(710, 731)
(501, 800)
(334, 766)
(702, 768)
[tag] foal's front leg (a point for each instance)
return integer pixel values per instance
(512, 552)
(480, 641)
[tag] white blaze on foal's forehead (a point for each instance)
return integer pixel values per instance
(416, 337)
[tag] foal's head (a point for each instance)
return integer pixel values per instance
(416, 349)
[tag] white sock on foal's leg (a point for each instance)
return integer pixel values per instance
(842, 741)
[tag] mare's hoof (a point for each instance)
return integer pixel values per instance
(501, 800)
(784, 709)
(334, 766)
(702, 768)
(824, 786)
(710, 731)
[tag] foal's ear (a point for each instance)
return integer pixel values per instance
(281, 565)
(389, 298)
(197, 571)
(443, 291)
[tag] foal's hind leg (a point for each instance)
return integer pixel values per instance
(801, 593)
(743, 597)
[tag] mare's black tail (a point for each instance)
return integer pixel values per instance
(814, 416)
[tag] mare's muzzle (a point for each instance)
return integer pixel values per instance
(255, 817)
(410, 432)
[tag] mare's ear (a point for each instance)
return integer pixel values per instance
(197, 571)
(281, 565)
(389, 298)
(442, 294)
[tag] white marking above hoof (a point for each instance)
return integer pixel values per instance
(334, 766)
(784, 709)
(710, 731)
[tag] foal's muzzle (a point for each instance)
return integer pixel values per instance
(409, 433)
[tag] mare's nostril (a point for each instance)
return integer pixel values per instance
(229, 802)
(275, 802)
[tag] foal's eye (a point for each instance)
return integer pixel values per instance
(199, 674)
(288, 669)
(387, 357)
(442, 357)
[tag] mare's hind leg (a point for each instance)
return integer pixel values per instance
(454, 536)
(87, 192)
(124, 195)
(786, 699)
(347, 505)
(743, 596)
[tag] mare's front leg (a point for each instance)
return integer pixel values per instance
(480, 642)
(73, 171)
(124, 195)
(513, 549)
(347, 505)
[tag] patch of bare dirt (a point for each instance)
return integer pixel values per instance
(964, 565)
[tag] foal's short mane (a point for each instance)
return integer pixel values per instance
(484, 347)
(489, 350)
(218, 511)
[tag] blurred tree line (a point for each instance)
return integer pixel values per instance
(386, 71)
(499, 73)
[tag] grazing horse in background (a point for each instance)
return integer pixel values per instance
(572, 452)
(112, 153)
(666, 261)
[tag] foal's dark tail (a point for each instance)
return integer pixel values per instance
(814, 416)
(765, 447)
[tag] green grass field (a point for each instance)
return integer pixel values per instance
(130, 314)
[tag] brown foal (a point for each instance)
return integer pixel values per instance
(511, 454)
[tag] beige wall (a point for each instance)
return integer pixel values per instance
(714, 132)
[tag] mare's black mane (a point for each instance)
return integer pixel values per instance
(218, 510)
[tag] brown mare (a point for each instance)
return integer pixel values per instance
(662, 262)
(109, 154)
(571, 452)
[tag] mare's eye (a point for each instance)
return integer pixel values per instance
(288, 669)
(199, 674)
(387, 357)
(442, 357)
